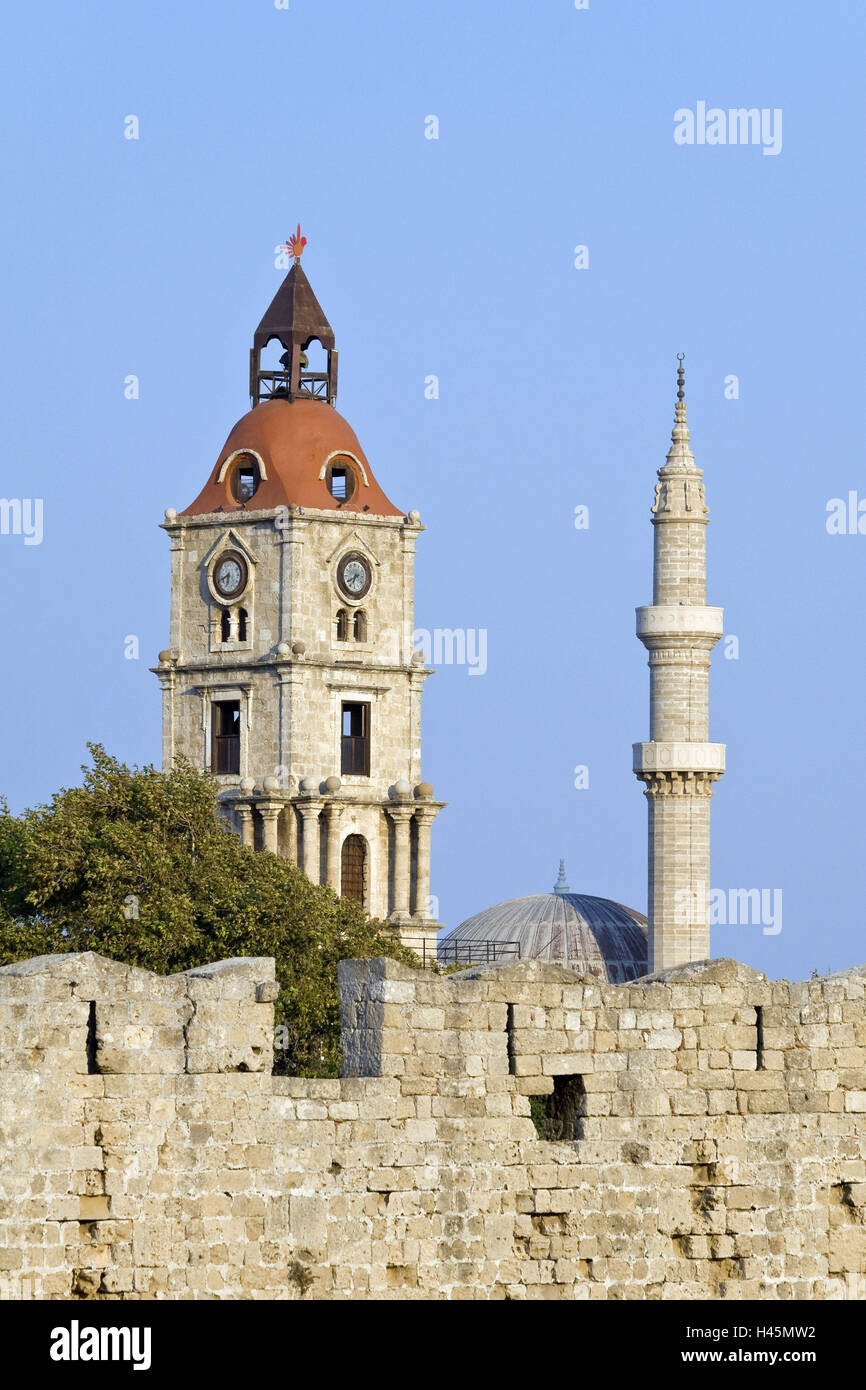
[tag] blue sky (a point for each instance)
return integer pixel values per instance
(455, 256)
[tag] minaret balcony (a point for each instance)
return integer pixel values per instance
(678, 757)
(679, 620)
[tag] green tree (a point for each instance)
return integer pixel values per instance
(135, 865)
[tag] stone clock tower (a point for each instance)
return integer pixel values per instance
(290, 672)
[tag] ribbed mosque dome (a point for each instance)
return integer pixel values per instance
(592, 936)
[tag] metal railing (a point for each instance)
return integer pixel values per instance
(314, 384)
(464, 953)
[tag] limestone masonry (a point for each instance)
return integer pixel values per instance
(679, 766)
(705, 1136)
(291, 673)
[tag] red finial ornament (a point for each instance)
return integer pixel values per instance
(295, 244)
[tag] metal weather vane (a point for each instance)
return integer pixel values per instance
(295, 244)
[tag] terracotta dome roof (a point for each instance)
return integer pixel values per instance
(294, 440)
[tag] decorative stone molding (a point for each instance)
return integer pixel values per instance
(684, 653)
(693, 620)
(680, 499)
(679, 757)
(678, 783)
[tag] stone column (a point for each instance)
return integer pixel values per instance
(424, 818)
(310, 838)
(679, 766)
(244, 817)
(333, 815)
(270, 814)
(167, 679)
(291, 835)
(401, 816)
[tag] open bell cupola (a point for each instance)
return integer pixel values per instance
(296, 319)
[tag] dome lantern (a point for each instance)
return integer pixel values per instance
(560, 887)
(296, 319)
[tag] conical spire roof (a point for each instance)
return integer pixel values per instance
(680, 458)
(294, 315)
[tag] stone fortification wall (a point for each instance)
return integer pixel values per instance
(705, 1136)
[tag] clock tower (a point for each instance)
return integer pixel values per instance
(290, 672)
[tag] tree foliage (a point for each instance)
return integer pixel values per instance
(135, 865)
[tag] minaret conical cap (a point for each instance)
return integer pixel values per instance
(680, 458)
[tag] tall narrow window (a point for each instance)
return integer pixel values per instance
(360, 626)
(92, 1041)
(759, 1038)
(342, 625)
(509, 1035)
(226, 736)
(242, 624)
(355, 740)
(353, 866)
(225, 625)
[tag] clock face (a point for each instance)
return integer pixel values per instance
(229, 575)
(353, 575)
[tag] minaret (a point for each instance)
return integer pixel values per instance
(679, 766)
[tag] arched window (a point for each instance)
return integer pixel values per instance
(360, 626)
(353, 867)
(244, 477)
(242, 625)
(340, 479)
(225, 625)
(342, 625)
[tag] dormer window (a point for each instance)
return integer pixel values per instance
(340, 478)
(245, 478)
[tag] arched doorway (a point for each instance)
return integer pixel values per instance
(353, 868)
